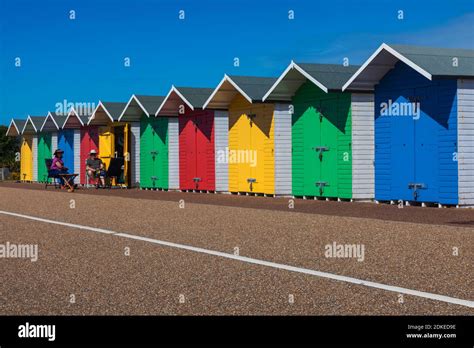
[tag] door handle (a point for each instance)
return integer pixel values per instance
(321, 185)
(415, 187)
(251, 181)
(321, 149)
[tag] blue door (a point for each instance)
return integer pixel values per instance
(394, 148)
(66, 143)
(426, 148)
(416, 146)
(403, 143)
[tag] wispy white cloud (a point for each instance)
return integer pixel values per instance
(358, 46)
(455, 34)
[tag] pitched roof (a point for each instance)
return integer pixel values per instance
(193, 97)
(18, 125)
(431, 62)
(196, 96)
(141, 104)
(84, 119)
(150, 103)
(59, 119)
(37, 121)
(253, 86)
(114, 109)
(332, 76)
(74, 120)
(328, 77)
(439, 61)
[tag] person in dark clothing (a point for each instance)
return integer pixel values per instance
(95, 167)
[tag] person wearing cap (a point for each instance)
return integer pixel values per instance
(57, 166)
(95, 167)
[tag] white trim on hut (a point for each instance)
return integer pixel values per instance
(363, 146)
(34, 153)
(173, 153)
(221, 143)
(465, 99)
(54, 142)
(282, 139)
(77, 154)
(135, 153)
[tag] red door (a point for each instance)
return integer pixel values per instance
(196, 149)
(187, 152)
(205, 165)
(89, 141)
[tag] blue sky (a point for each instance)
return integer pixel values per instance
(82, 60)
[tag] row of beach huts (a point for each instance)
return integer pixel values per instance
(400, 127)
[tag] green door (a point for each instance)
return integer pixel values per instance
(328, 150)
(306, 136)
(321, 140)
(146, 160)
(154, 152)
(44, 152)
(160, 126)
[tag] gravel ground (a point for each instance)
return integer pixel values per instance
(432, 215)
(150, 280)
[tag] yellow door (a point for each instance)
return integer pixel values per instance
(257, 155)
(239, 143)
(106, 144)
(262, 167)
(241, 152)
(26, 159)
(126, 154)
(251, 145)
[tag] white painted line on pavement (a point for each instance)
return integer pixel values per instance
(326, 275)
(88, 228)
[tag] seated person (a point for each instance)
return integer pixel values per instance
(95, 167)
(57, 166)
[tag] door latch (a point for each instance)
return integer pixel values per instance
(251, 181)
(196, 181)
(321, 185)
(415, 186)
(321, 149)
